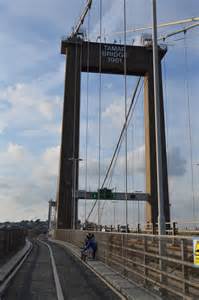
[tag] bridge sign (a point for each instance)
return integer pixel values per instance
(107, 194)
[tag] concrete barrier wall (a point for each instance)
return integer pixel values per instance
(105, 241)
(136, 256)
(11, 240)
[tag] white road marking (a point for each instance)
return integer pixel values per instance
(92, 270)
(59, 291)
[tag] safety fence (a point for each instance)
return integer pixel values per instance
(11, 240)
(169, 271)
(172, 228)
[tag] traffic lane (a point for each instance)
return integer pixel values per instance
(34, 280)
(77, 281)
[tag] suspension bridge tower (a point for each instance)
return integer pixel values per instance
(111, 56)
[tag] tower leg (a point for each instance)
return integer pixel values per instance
(70, 138)
(150, 152)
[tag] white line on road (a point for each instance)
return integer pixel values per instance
(59, 291)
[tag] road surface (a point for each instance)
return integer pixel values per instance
(35, 280)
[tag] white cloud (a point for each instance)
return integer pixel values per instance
(115, 113)
(31, 104)
(46, 110)
(2, 126)
(27, 180)
(51, 158)
(16, 152)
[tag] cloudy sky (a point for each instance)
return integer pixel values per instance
(31, 99)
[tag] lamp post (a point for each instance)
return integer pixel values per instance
(161, 217)
(74, 161)
(114, 209)
(194, 211)
(138, 225)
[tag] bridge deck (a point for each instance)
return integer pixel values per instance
(129, 289)
(35, 279)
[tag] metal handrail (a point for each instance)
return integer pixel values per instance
(122, 250)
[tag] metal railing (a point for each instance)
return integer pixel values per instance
(172, 228)
(136, 256)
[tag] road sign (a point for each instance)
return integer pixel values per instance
(107, 194)
(94, 195)
(196, 251)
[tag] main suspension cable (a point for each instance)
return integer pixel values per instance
(162, 25)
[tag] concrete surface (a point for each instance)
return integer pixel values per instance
(77, 281)
(35, 281)
(7, 268)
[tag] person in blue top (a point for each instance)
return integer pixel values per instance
(90, 245)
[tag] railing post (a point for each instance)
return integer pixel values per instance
(123, 254)
(153, 228)
(162, 265)
(127, 228)
(174, 228)
(4, 242)
(1, 243)
(145, 261)
(184, 268)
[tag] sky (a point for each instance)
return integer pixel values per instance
(31, 101)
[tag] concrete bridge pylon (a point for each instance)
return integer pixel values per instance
(139, 63)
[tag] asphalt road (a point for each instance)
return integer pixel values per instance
(35, 281)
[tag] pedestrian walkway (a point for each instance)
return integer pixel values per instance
(128, 289)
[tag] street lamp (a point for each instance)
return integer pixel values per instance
(114, 208)
(194, 216)
(138, 225)
(74, 161)
(161, 217)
